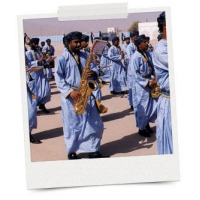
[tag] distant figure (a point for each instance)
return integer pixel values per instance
(130, 50)
(49, 51)
(105, 63)
(42, 44)
(117, 77)
(127, 42)
(150, 47)
(160, 60)
(85, 43)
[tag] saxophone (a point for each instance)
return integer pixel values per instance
(155, 90)
(85, 88)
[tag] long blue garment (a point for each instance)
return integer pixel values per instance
(50, 50)
(164, 127)
(144, 105)
(82, 133)
(125, 57)
(43, 89)
(105, 65)
(117, 74)
(32, 106)
(130, 50)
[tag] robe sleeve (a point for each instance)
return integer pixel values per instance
(136, 71)
(112, 56)
(62, 85)
(130, 50)
(31, 62)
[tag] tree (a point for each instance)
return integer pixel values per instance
(134, 26)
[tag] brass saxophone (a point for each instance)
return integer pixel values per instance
(85, 88)
(155, 90)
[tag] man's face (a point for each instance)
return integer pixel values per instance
(133, 38)
(143, 46)
(74, 45)
(127, 41)
(48, 42)
(33, 46)
(116, 43)
(84, 44)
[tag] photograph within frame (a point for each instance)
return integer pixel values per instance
(45, 134)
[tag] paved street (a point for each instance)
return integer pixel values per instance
(120, 137)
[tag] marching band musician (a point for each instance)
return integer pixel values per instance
(35, 59)
(131, 48)
(160, 60)
(82, 133)
(127, 42)
(117, 77)
(105, 62)
(49, 50)
(141, 70)
(32, 103)
(85, 43)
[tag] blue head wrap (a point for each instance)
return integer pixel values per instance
(34, 40)
(115, 39)
(139, 40)
(85, 38)
(75, 35)
(134, 33)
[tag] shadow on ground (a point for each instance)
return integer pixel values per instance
(118, 115)
(51, 110)
(52, 133)
(125, 145)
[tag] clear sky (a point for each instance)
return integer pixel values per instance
(51, 26)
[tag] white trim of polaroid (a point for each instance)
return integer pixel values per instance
(85, 172)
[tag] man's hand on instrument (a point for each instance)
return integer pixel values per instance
(152, 83)
(90, 73)
(75, 95)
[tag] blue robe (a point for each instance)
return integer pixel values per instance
(144, 104)
(131, 48)
(105, 65)
(82, 133)
(164, 127)
(49, 50)
(32, 106)
(43, 89)
(117, 73)
(125, 57)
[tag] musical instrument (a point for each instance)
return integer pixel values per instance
(85, 88)
(155, 89)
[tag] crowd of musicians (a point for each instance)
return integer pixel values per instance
(135, 69)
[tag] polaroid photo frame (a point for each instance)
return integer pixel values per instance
(114, 170)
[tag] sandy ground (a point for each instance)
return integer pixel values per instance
(120, 137)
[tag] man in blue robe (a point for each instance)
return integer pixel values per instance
(130, 50)
(82, 133)
(85, 43)
(124, 48)
(160, 61)
(105, 63)
(117, 73)
(32, 103)
(35, 59)
(49, 50)
(141, 70)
